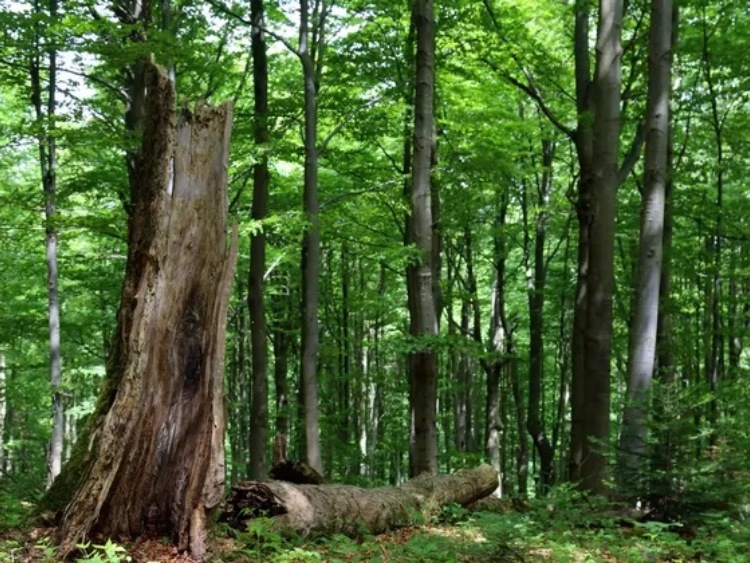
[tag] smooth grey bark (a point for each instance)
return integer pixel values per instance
(406, 173)
(256, 304)
(422, 311)
(632, 454)
(310, 339)
(600, 279)
(45, 111)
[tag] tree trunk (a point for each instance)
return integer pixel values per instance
(3, 413)
(422, 311)
(256, 305)
(281, 330)
(600, 279)
(535, 422)
(310, 248)
(154, 459)
(48, 165)
(584, 141)
(632, 452)
(715, 366)
(351, 510)
(494, 422)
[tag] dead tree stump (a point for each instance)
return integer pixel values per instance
(153, 459)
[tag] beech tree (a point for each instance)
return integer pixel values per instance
(45, 108)
(256, 303)
(422, 312)
(643, 331)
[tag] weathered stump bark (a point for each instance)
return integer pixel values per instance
(154, 456)
(351, 510)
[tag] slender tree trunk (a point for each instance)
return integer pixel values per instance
(535, 424)
(256, 305)
(563, 361)
(154, 458)
(376, 374)
(310, 248)
(45, 117)
(495, 428)
(716, 356)
(233, 412)
(584, 141)
(3, 413)
(600, 280)
(632, 455)
(471, 280)
(665, 354)
(406, 173)
(8, 459)
(243, 382)
(345, 362)
(281, 330)
(422, 309)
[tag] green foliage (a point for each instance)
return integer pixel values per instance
(10, 550)
(108, 552)
(260, 540)
(14, 513)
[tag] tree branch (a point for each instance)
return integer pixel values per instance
(535, 95)
(633, 154)
(281, 39)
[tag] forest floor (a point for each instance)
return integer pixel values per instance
(550, 530)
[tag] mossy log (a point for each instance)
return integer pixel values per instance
(152, 460)
(306, 509)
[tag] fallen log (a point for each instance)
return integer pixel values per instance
(305, 509)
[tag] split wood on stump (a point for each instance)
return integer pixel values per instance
(153, 460)
(351, 510)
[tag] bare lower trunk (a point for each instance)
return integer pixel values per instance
(494, 422)
(281, 348)
(310, 251)
(153, 461)
(422, 310)
(584, 148)
(600, 278)
(256, 304)
(632, 460)
(715, 367)
(351, 510)
(45, 115)
(3, 412)
(535, 423)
